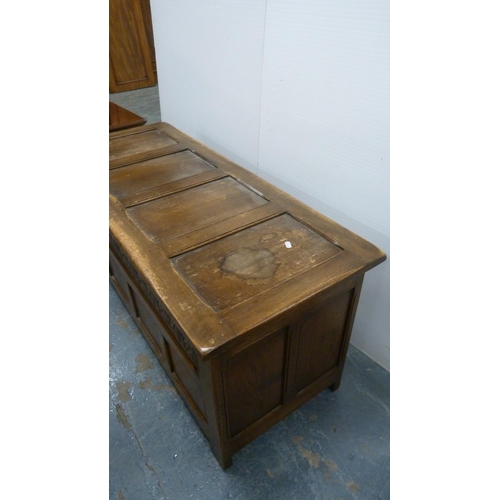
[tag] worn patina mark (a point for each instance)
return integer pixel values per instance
(249, 263)
(268, 237)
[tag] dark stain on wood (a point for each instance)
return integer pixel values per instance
(248, 263)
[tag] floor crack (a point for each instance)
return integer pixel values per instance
(122, 417)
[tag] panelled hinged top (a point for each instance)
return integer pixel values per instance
(227, 238)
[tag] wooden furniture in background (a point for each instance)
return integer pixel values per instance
(121, 118)
(132, 63)
(246, 295)
(148, 26)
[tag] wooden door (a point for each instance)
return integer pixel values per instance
(131, 51)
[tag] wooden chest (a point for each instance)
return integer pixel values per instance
(246, 295)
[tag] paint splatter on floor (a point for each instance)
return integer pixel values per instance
(311, 456)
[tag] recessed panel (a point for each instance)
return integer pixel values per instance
(233, 269)
(144, 175)
(138, 143)
(321, 337)
(188, 379)
(254, 381)
(195, 208)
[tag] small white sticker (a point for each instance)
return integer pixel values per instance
(288, 244)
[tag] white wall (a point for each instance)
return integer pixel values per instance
(297, 91)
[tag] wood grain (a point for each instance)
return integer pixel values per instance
(130, 46)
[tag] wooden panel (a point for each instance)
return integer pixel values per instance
(139, 142)
(138, 177)
(320, 340)
(226, 227)
(148, 26)
(119, 279)
(162, 190)
(254, 381)
(231, 270)
(130, 60)
(187, 211)
(188, 378)
(151, 323)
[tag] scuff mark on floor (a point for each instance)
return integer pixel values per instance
(143, 363)
(353, 487)
(122, 322)
(315, 460)
(366, 392)
(147, 384)
(331, 465)
(311, 456)
(123, 394)
(122, 417)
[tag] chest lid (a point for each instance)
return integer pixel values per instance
(222, 249)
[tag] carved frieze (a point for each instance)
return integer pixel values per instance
(156, 304)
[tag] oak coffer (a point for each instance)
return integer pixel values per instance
(246, 295)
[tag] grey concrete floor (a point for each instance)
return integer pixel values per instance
(336, 446)
(143, 102)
